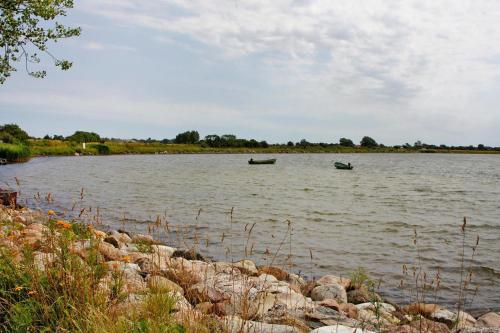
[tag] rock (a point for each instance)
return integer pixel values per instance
(277, 272)
(189, 255)
(200, 292)
(478, 330)
(450, 318)
(163, 250)
(181, 303)
(465, 320)
(330, 303)
(160, 283)
(349, 309)
(99, 234)
(377, 314)
(121, 236)
(247, 266)
(267, 278)
(233, 324)
(372, 306)
(145, 239)
(205, 307)
(261, 304)
(402, 329)
(362, 295)
(443, 316)
(121, 266)
(421, 308)
(297, 280)
(332, 279)
(110, 252)
(491, 319)
(339, 329)
(294, 301)
(425, 325)
(113, 241)
(323, 316)
(329, 291)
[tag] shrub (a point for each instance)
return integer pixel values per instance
(14, 152)
(101, 149)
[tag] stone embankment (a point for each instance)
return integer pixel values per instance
(242, 297)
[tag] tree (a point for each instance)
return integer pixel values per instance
(368, 142)
(344, 142)
(26, 27)
(290, 144)
(81, 136)
(12, 133)
(188, 137)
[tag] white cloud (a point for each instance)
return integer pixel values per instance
(96, 46)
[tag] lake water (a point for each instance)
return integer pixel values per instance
(347, 219)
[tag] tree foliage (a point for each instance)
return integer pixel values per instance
(188, 137)
(26, 27)
(344, 142)
(12, 133)
(368, 142)
(81, 136)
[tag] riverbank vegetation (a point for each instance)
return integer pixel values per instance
(16, 145)
(61, 273)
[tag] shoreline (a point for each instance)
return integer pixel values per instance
(236, 294)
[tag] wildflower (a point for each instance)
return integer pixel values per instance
(32, 292)
(126, 259)
(50, 212)
(115, 266)
(18, 288)
(63, 224)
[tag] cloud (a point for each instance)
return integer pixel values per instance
(97, 46)
(384, 49)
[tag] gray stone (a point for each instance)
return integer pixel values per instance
(333, 291)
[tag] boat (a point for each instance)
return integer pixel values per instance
(3, 161)
(269, 161)
(343, 166)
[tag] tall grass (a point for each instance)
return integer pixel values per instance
(14, 152)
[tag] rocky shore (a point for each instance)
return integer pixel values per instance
(238, 296)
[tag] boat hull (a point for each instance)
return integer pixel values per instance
(270, 161)
(342, 166)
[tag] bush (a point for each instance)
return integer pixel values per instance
(11, 133)
(101, 149)
(368, 142)
(81, 136)
(14, 152)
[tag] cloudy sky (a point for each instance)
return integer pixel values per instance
(398, 71)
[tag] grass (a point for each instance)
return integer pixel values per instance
(58, 148)
(66, 295)
(14, 152)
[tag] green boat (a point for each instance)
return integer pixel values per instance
(270, 161)
(343, 166)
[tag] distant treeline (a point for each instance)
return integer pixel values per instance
(11, 133)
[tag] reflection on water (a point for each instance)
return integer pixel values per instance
(364, 217)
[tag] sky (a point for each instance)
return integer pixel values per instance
(398, 71)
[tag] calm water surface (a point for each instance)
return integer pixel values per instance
(348, 219)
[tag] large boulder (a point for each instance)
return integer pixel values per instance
(491, 319)
(160, 283)
(233, 324)
(329, 291)
(425, 325)
(362, 295)
(247, 267)
(330, 279)
(451, 319)
(339, 329)
(277, 272)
